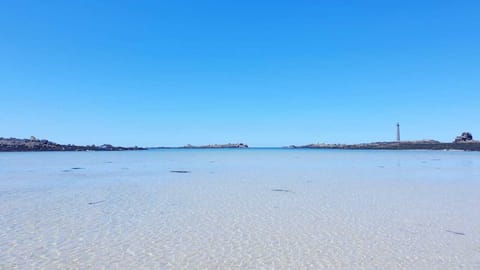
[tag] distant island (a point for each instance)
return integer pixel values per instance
(209, 146)
(35, 145)
(463, 142)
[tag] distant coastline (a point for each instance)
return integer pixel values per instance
(209, 146)
(403, 145)
(36, 145)
(463, 142)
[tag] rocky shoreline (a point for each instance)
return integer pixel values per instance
(406, 145)
(35, 145)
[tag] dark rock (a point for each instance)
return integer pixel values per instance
(465, 137)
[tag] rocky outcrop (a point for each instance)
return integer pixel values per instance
(33, 145)
(465, 137)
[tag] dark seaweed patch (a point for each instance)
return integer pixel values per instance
(97, 202)
(457, 233)
(180, 171)
(281, 190)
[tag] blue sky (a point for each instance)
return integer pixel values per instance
(267, 73)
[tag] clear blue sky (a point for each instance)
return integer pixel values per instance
(266, 73)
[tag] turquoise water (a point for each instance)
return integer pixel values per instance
(237, 209)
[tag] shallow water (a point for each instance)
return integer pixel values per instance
(240, 209)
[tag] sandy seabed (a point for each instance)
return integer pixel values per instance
(240, 209)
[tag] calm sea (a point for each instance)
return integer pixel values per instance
(240, 209)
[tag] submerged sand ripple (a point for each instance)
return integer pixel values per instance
(345, 213)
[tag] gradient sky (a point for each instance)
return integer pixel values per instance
(266, 73)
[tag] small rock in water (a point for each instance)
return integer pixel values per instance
(180, 171)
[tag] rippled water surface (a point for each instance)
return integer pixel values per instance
(240, 209)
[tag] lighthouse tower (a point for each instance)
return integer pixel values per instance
(398, 132)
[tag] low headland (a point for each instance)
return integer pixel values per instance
(35, 145)
(463, 142)
(403, 145)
